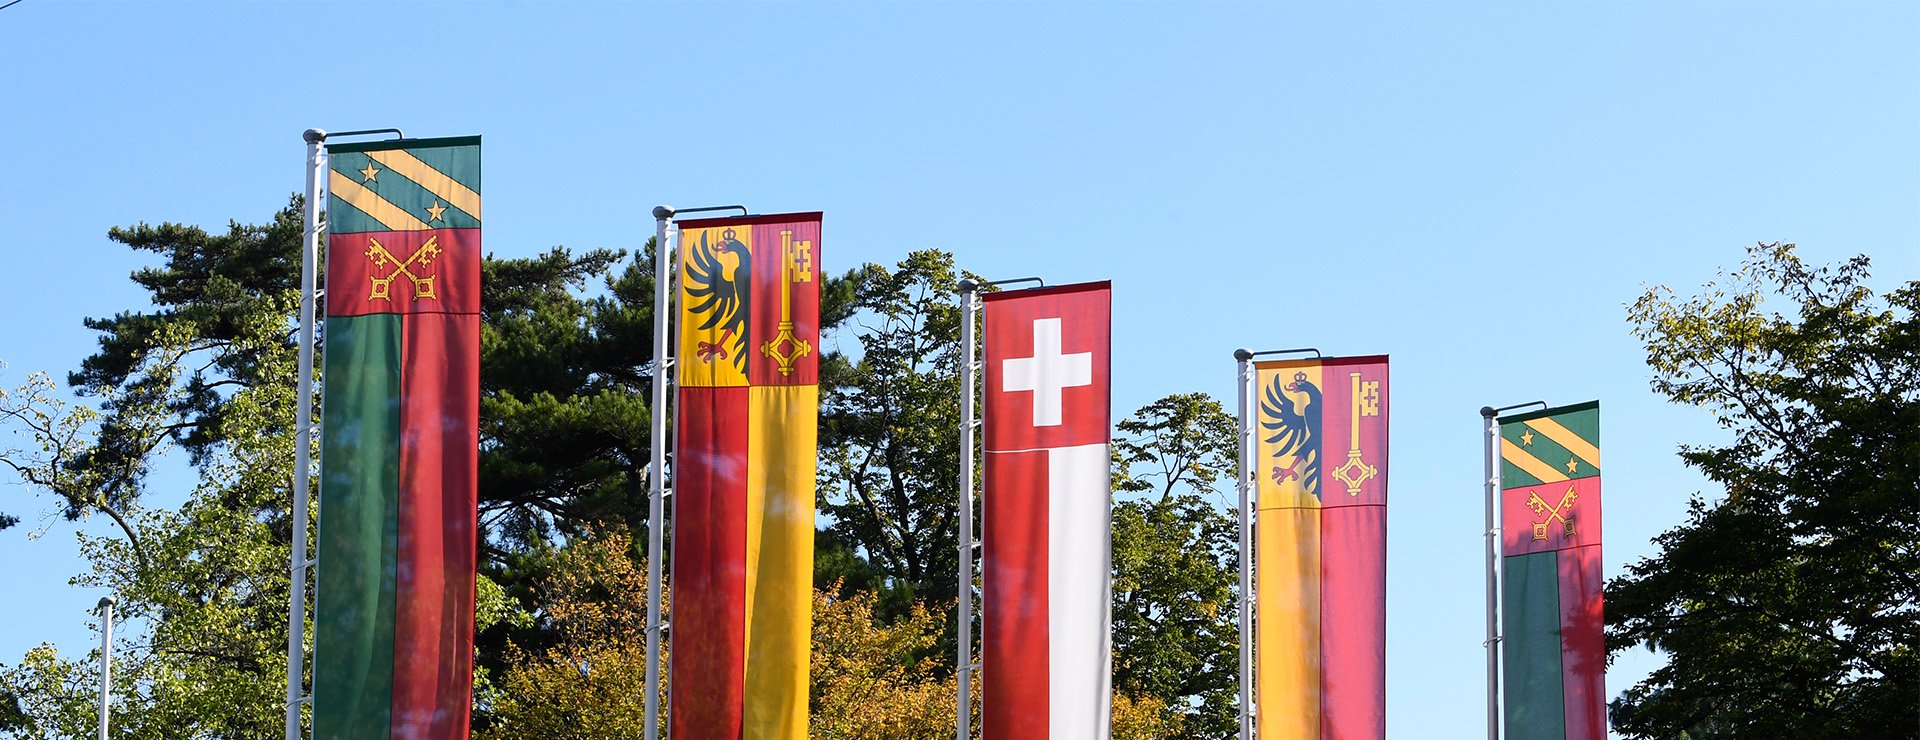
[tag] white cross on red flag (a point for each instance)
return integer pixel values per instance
(1045, 631)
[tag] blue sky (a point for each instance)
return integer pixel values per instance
(1474, 189)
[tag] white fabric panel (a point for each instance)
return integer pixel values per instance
(1079, 593)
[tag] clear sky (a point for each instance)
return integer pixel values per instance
(1476, 190)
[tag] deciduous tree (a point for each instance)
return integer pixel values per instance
(1790, 607)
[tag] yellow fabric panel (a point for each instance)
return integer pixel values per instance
(1534, 467)
(1288, 615)
(436, 182)
(698, 365)
(781, 450)
(389, 215)
(1566, 438)
(1290, 490)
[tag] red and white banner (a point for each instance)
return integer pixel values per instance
(1046, 646)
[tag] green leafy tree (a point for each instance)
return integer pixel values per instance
(1790, 607)
(1175, 565)
(889, 423)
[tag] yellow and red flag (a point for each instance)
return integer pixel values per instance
(744, 476)
(1320, 566)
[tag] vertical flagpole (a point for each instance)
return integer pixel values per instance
(303, 437)
(969, 306)
(657, 466)
(1244, 483)
(1488, 414)
(106, 662)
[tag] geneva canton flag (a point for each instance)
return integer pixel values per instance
(1551, 634)
(1046, 626)
(743, 499)
(393, 613)
(1320, 567)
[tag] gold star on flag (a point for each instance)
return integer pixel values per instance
(434, 211)
(370, 171)
(1526, 438)
(1572, 465)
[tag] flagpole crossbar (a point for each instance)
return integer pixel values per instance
(315, 135)
(1247, 354)
(970, 285)
(1491, 412)
(665, 213)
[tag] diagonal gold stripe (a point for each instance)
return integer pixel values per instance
(1566, 438)
(450, 190)
(370, 203)
(1546, 473)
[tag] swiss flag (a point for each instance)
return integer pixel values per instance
(1046, 627)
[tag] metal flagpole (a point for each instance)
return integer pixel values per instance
(1244, 483)
(1490, 416)
(969, 306)
(657, 467)
(303, 437)
(106, 661)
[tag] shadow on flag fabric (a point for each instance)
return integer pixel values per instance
(1553, 656)
(393, 613)
(743, 499)
(1046, 624)
(1320, 576)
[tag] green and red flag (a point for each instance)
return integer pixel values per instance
(1554, 659)
(393, 614)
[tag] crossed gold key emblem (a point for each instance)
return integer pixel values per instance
(421, 258)
(1562, 511)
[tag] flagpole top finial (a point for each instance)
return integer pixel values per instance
(1488, 412)
(1243, 354)
(663, 212)
(969, 285)
(314, 135)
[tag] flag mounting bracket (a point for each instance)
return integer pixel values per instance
(318, 135)
(1490, 412)
(1247, 354)
(969, 285)
(664, 213)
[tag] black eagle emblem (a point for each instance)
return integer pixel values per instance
(1296, 431)
(718, 281)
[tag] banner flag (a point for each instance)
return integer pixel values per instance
(393, 613)
(1554, 662)
(1046, 626)
(1320, 470)
(743, 499)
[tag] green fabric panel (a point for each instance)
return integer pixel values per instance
(359, 500)
(1530, 643)
(462, 163)
(400, 191)
(1581, 419)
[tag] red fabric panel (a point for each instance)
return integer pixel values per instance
(455, 271)
(1519, 519)
(770, 265)
(435, 547)
(1353, 622)
(709, 630)
(1353, 550)
(1014, 632)
(1084, 314)
(1583, 664)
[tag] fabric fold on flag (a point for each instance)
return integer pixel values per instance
(1046, 622)
(747, 421)
(393, 613)
(1553, 657)
(1320, 528)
